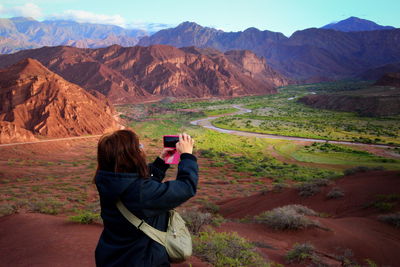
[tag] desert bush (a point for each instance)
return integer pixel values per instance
(336, 192)
(393, 219)
(289, 217)
(308, 189)
(226, 249)
(300, 253)
(195, 220)
(46, 206)
(86, 217)
(346, 257)
(210, 207)
(7, 209)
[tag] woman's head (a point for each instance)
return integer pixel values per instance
(120, 152)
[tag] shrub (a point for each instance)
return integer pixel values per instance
(7, 209)
(336, 192)
(393, 219)
(46, 206)
(300, 253)
(195, 220)
(346, 257)
(289, 217)
(308, 189)
(211, 207)
(86, 217)
(226, 249)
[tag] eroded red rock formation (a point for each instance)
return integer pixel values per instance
(126, 74)
(37, 100)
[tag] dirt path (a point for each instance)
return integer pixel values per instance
(207, 123)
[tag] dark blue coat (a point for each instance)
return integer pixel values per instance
(121, 244)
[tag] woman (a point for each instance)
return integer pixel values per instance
(123, 174)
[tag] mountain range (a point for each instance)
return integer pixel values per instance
(23, 33)
(308, 55)
(351, 48)
(131, 74)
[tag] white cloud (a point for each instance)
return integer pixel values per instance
(26, 10)
(84, 16)
(149, 26)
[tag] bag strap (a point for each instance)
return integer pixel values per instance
(153, 233)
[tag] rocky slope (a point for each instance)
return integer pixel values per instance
(11, 133)
(128, 74)
(37, 100)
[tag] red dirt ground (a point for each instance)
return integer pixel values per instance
(360, 189)
(32, 239)
(351, 225)
(29, 239)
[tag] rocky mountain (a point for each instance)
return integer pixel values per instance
(24, 33)
(129, 74)
(34, 99)
(11, 133)
(311, 54)
(354, 24)
(390, 79)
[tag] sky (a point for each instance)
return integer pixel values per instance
(284, 16)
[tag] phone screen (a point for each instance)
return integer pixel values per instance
(170, 140)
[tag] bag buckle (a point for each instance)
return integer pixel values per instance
(140, 224)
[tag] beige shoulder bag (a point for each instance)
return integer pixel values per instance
(176, 240)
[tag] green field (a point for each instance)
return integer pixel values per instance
(257, 157)
(281, 114)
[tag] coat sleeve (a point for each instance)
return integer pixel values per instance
(158, 169)
(156, 197)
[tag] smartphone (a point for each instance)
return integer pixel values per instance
(170, 142)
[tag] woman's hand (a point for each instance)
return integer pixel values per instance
(166, 151)
(185, 144)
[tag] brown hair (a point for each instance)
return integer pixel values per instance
(120, 152)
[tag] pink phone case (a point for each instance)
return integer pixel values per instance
(174, 156)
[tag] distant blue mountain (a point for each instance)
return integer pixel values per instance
(22, 33)
(354, 24)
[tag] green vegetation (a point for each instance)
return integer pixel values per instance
(281, 114)
(86, 217)
(226, 249)
(384, 202)
(7, 209)
(290, 217)
(300, 253)
(47, 206)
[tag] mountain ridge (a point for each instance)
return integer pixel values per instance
(356, 24)
(131, 74)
